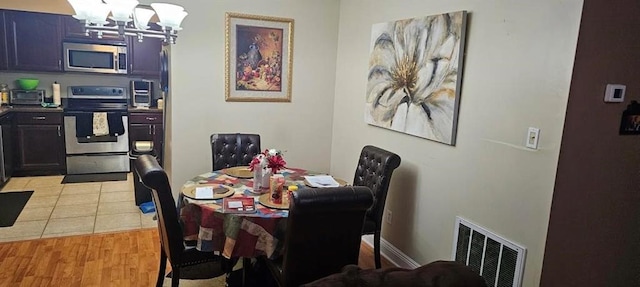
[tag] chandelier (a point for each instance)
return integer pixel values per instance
(93, 14)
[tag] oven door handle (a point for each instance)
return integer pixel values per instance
(76, 113)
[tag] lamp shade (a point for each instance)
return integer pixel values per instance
(174, 21)
(98, 13)
(82, 8)
(121, 9)
(141, 17)
(170, 15)
(93, 15)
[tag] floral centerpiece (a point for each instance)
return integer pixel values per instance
(264, 165)
(269, 158)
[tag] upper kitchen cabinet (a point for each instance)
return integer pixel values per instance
(3, 44)
(74, 29)
(33, 41)
(144, 57)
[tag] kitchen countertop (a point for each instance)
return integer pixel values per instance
(37, 109)
(148, 110)
(6, 109)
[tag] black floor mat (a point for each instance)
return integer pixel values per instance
(77, 178)
(11, 204)
(257, 275)
(205, 270)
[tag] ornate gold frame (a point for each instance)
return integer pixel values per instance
(238, 95)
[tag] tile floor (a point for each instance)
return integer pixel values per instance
(56, 209)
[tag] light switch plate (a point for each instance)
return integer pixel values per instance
(533, 134)
(614, 93)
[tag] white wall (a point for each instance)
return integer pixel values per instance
(301, 128)
(519, 58)
(516, 74)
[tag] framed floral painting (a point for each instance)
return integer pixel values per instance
(415, 75)
(258, 58)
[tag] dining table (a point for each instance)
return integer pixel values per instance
(234, 235)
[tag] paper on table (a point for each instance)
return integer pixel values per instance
(321, 181)
(235, 204)
(204, 192)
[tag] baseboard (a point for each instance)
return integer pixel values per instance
(391, 253)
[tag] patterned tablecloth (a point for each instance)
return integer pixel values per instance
(235, 235)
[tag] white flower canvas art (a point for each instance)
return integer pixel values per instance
(414, 77)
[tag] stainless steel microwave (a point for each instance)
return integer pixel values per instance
(95, 58)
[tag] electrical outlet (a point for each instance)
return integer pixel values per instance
(388, 216)
(533, 134)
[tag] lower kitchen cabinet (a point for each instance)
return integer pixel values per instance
(147, 126)
(39, 143)
(6, 144)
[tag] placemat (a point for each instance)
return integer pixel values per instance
(238, 171)
(265, 200)
(219, 191)
(341, 182)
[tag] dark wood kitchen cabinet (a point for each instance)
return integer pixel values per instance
(144, 57)
(6, 142)
(39, 143)
(74, 29)
(146, 126)
(34, 41)
(4, 64)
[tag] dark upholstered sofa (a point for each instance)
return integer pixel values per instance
(435, 274)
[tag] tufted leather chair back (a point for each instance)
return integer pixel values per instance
(323, 232)
(374, 170)
(155, 178)
(229, 150)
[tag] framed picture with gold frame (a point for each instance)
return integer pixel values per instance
(258, 58)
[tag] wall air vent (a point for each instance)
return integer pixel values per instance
(499, 261)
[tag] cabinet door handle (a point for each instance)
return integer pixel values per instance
(59, 133)
(39, 118)
(150, 130)
(154, 130)
(151, 119)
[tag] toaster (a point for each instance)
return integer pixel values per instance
(141, 93)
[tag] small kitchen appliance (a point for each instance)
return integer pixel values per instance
(141, 93)
(106, 58)
(26, 97)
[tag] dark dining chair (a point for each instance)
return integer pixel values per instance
(172, 246)
(322, 234)
(374, 170)
(229, 150)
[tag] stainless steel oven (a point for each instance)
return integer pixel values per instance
(89, 153)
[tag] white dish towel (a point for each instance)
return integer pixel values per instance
(100, 124)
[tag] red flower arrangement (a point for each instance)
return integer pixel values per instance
(270, 158)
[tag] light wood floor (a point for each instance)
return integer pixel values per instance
(109, 259)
